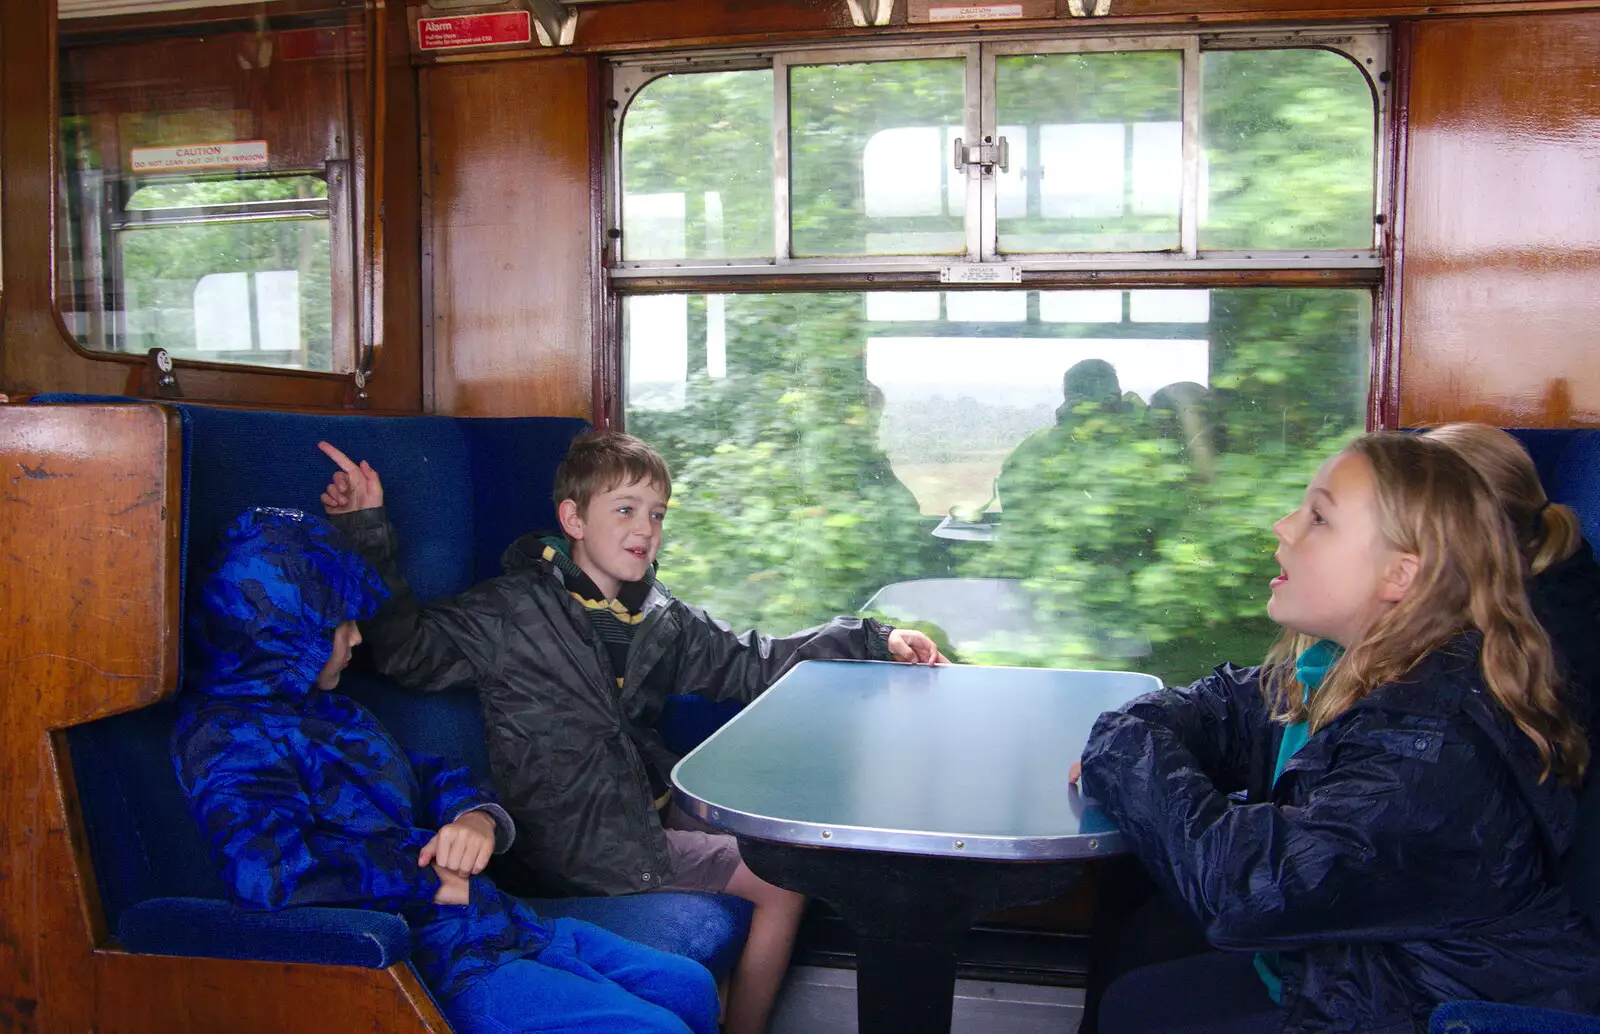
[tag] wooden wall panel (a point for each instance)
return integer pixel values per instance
(509, 237)
(88, 597)
(646, 24)
(1500, 290)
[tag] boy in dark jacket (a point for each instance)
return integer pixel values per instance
(308, 801)
(573, 652)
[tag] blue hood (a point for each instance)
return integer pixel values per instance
(265, 611)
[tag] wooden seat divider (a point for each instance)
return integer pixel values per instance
(90, 513)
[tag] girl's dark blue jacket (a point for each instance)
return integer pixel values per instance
(305, 798)
(1408, 854)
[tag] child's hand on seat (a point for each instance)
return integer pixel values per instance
(454, 889)
(462, 847)
(912, 647)
(354, 487)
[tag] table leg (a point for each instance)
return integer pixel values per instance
(909, 913)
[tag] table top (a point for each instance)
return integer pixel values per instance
(953, 760)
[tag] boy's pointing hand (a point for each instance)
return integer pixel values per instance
(354, 486)
(912, 647)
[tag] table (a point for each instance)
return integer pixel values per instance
(914, 800)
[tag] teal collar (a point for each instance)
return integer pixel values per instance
(1311, 667)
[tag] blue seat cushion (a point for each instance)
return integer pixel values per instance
(708, 928)
(1490, 1018)
(210, 929)
(142, 838)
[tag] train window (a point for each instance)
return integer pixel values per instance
(206, 169)
(1279, 125)
(1073, 464)
(229, 270)
(718, 205)
(1096, 151)
(1064, 478)
(869, 148)
(1177, 149)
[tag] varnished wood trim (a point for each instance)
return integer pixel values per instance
(1384, 408)
(1216, 14)
(606, 331)
(58, 768)
(430, 169)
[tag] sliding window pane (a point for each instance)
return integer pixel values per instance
(243, 292)
(1057, 478)
(1288, 139)
(1096, 146)
(870, 148)
(697, 168)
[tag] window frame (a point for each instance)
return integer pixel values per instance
(1367, 46)
(119, 218)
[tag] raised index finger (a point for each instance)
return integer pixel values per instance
(344, 462)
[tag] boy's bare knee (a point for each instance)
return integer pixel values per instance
(759, 892)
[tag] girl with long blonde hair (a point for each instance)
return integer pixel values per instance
(1407, 768)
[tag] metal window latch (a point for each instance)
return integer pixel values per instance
(1078, 9)
(154, 378)
(355, 390)
(987, 155)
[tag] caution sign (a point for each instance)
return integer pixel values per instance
(234, 154)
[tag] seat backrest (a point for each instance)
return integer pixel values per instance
(1569, 467)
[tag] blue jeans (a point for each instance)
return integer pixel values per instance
(593, 981)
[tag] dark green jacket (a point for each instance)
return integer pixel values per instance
(565, 743)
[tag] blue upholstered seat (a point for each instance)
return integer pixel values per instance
(459, 490)
(1569, 467)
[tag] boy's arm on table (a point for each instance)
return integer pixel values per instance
(1258, 877)
(720, 664)
(248, 798)
(446, 643)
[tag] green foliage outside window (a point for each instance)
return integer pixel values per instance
(1137, 535)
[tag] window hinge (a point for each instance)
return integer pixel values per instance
(871, 12)
(555, 22)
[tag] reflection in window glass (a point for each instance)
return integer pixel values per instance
(697, 168)
(257, 292)
(1096, 151)
(1078, 487)
(869, 149)
(1287, 138)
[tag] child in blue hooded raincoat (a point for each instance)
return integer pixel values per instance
(307, 800)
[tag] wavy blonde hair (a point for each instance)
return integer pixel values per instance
(1435, 506)
(1547, 532)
